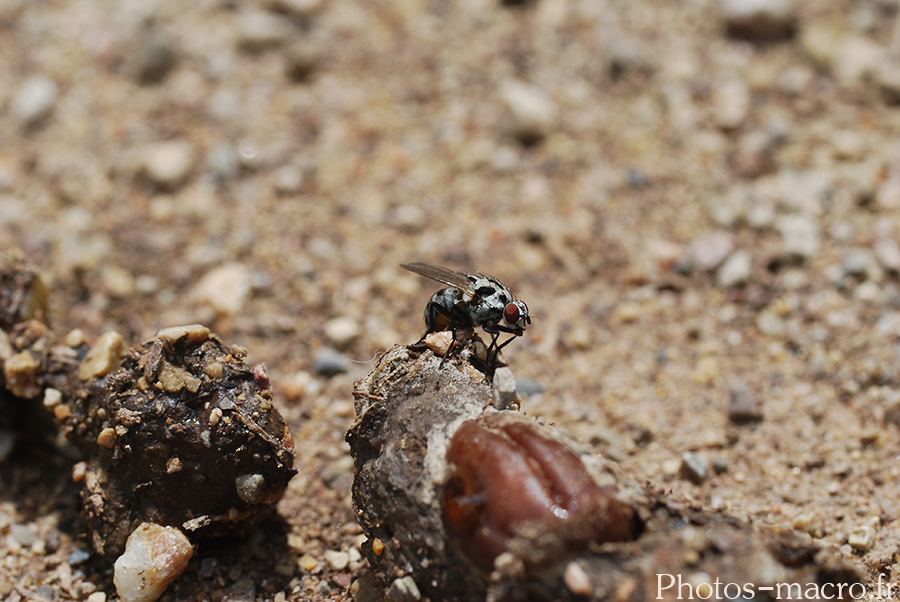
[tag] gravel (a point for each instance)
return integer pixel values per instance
(547, 144)
(34, 100)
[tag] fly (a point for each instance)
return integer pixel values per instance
(472, 299)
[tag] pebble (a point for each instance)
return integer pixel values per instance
(694, 467)
(34, 100)
(250, 487)
(577, 580)
(308, 563)
(529, 387)
(20, 375)
(800, 236)
(224, 288)
(743, 404)
(287, 179)
(167, 164)
(207, 567)
(342, 332)
(337, 560)
(503, 388)
(859, 262)
(223, 161)
(887, 76)
(710, 250)
(849, 57)
(530, 113)
(97, 597)
(728, 210)
(78, 556)
(731, 104)
(735, 271)
(707, 370)
(151, 55)
(299, 8)
(888, 253)
(856, 59)
(861, 538)
(260, 30)
(103, 356)
(25, 536)
(154, 557)
(769, 323)
(439, 342)
(759, 19)
(887, 196)
(329, 362)
(808, 523)
(403, 589)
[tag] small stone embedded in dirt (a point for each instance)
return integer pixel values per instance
(20, 373)
(694, 467)
(103, 357)
(168, 164)
(154, 557)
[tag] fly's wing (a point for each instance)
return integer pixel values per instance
(445, 275)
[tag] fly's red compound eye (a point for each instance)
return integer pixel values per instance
(511, 313)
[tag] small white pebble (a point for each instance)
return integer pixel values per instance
(52, 397)
(168, 163)
(577, 580)
(34, 99)
(154, 557)
(341, 332)
(337, 560)
(97, 597)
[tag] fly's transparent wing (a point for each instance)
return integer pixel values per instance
(445, 275)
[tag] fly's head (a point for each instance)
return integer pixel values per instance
(515, 317)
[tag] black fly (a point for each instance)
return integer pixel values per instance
(472, 299)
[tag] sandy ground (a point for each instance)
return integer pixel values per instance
(704, 228)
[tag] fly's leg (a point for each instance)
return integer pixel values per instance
(495, 330)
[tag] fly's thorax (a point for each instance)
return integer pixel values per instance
(490, 297)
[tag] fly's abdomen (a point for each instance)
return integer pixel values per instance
(447, 311)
